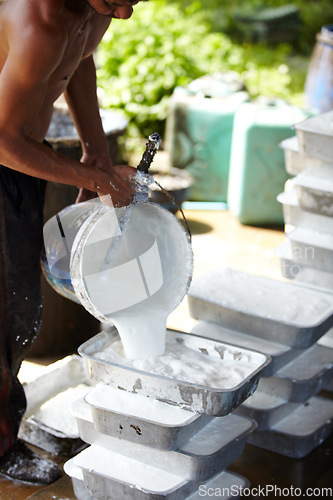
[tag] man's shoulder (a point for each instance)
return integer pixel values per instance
(37, 17)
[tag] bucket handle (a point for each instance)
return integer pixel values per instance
(154, 141)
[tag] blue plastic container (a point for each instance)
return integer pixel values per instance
(199, 133)
(319, 80)
(257, 167)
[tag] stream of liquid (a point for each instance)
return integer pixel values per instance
(142, 336)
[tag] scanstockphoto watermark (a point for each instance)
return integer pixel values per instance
(268, 490)
(300, 256)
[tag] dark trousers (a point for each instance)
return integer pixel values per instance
(21, 241)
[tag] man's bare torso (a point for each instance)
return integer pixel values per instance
(72, 25)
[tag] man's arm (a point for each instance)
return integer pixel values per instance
(24, 85)
(81, 97)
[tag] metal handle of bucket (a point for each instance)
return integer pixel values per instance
(154, 141)
(152, 146)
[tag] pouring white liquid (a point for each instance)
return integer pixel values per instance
(133, 276)
(142, 336)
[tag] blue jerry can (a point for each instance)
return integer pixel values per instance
(257, 166)
(199, 131)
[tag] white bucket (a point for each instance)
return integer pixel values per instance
(129, 266)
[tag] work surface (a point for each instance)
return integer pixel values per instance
(218, 241)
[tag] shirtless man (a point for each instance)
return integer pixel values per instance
(46, 49)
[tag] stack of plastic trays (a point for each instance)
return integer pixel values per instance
(156, 437)
(293, 325)
(307, 254)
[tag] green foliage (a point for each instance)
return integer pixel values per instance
(221, 15)
(164, 45)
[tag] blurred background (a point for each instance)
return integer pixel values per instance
(167, 44)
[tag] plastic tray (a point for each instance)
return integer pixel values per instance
(199, 398)
(295, 216)
(296, 162)
(312, 249)
(226, 482)
(212, 449)
(303, 377)
(266, 409)
(300, 432)
(303, 275)
(273, 310)
(131, 417)
(76, 475)
(280, 354)
(314, 188)
(105, 471)
(315, 136)
(59, 377)
(223, 481)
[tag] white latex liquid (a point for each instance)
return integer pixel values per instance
(142, 336)
(191, 365)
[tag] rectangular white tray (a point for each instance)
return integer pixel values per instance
(105, 471)
(300, 432)
(278, 311)
(295, 216)
(222, 481)
(131, 417)
(210, 450)
(303, 377)
(303, 275)
(280, 354)
(266, 409)
(315, 136)
(312, 249)
(314, 188)
(65, 374)
(296, 162)
(198, 398)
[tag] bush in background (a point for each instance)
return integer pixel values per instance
(141, 61)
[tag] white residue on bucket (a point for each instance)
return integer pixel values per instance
(55, 412)
(191, 365)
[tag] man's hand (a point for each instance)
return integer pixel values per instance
(119, 184)
(116, 181)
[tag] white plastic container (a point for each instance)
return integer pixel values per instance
(303, 377)
(314, 188)
(296, 162)
(303, 275)
(105, 471)
(274, 310)
(211, 449)
(315, 136)
(266, 409)
(301, 431)
(76, 475)
(295, 216)
(142, 420)
(312, 249)
(224, 375)
(280, 354)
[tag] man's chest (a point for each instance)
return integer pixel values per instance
(82, 41)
